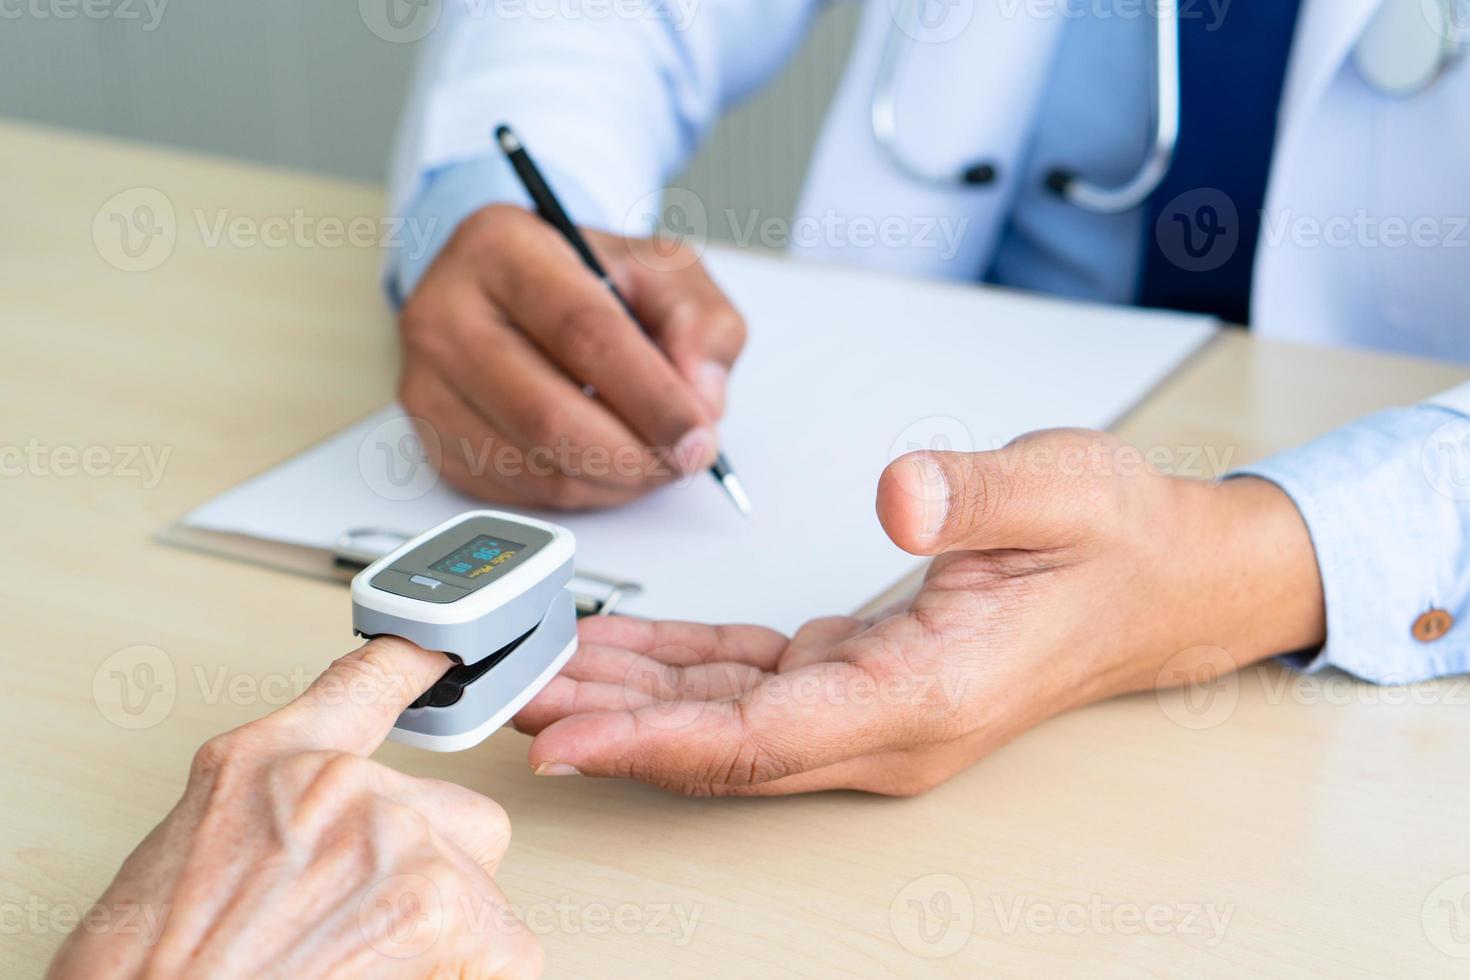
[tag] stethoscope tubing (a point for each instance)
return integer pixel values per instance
(1165, 105)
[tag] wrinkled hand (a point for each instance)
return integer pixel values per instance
(292, 854)
(506, 328)
(1066, 572)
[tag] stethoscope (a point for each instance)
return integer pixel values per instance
(1403, 51)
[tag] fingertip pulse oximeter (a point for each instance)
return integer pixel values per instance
(489, 589)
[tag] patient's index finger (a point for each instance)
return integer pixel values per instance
(353, 704)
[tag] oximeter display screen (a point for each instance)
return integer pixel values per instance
(478, 558)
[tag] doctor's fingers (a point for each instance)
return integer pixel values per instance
(889, 773)
(689, 661)
(515, 389)
(546, 292)
(643, 684)
(477, 458)
(687, 314)
(662, 679)
(686, 643)
(623, 664)
(820, 640)
(790, 724)
(894, 772)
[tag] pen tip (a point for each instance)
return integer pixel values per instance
(507, 138)
(737, 493)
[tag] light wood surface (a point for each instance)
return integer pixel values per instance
(1316, 823)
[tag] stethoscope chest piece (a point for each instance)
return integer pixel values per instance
(1407, 45)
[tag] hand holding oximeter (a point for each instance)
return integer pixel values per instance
(489, 589)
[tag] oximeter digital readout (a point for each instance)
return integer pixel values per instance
(489, 589)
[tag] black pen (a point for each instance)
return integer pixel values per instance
(551, 211)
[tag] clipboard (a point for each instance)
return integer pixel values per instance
(356, 549)
(811, 445)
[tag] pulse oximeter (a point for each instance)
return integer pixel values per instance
(489, 589)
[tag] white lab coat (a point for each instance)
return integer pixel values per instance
(1366, 236)
(1364, 239)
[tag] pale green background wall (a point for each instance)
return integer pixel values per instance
(304, 83)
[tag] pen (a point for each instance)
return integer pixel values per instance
(551, 211)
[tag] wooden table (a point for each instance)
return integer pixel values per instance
(1310, 830)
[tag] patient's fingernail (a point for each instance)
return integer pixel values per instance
(711, 381)
(557, 769)
(934, 491)
(696, 450)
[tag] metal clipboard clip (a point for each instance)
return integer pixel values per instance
(357, 548)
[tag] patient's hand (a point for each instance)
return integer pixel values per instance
(1066, 572)
(292, 854)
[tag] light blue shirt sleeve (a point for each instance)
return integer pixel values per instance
(611, 99)
(1387, 502)
(450, 195)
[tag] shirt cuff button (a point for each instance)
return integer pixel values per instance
(1432, 625)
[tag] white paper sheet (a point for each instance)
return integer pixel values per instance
(844, 370)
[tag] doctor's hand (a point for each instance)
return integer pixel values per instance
(1064, 574)
(508, 326)
(292, 854)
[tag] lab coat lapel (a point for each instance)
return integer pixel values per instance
(967, 97)
(1326, 35)
(1328, 31)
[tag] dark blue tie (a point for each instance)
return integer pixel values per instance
(1203, 222)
